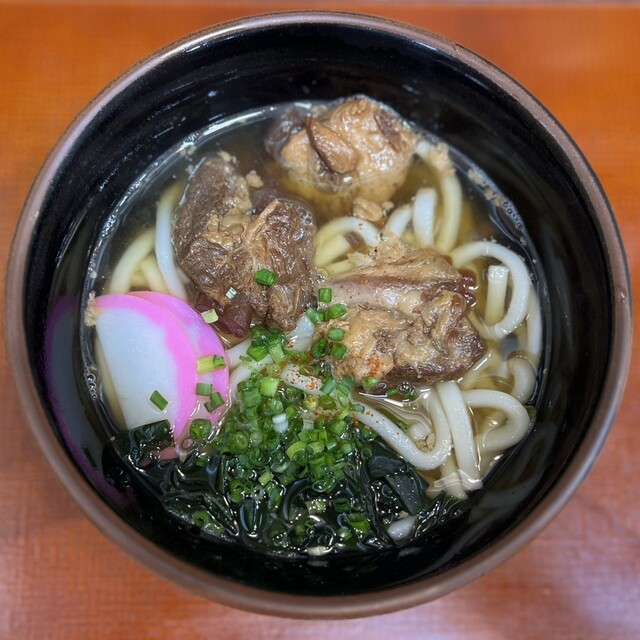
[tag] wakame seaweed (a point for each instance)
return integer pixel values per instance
(377, 488)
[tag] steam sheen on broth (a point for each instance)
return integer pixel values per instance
(359, 319)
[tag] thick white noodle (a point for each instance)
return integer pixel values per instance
(401, 529)
(402, 444)
(480, 369)
(424, 216)
(236, 352)
(134, 254)
(517, 418)
(449, 481)
(349, 224)
(451, 212)
(437, 157)
(418, 431)
(398, 220)
(163, 244)
(292, 376)
(459, 421)
(151, 272)
(533, 342)
(497, 281)
(300, 337)
(520, 283)
(524, 377)
(332, 249)
(336, 268)
(331, 243)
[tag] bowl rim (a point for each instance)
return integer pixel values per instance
(225, 591)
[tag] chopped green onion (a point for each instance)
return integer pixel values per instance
(277, 353)
(266, 277)
(238, 442)
(209, 316)
(215, 400)
(357, 408)
(327, 402)
(252, 397)
(336, 311)
(338, 427)
(342, 505)
(344, 534)
(348, 382)
(336, 334)
(358, 521)
(201, 519)
(346, 447)
(369, 382)
(339, 350)
(268, 387)
(200, 428)
(310, 402)
(314, 448)
(204, 389)
(210, 363)
(297, 452)
(319, 348)
(265, 478)
(159, 400)
(329, 385)
(314, 315)
(257, 351)
(272, 406)
(231, 293)
(325, 295)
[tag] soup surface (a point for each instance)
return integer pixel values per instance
(314, 328)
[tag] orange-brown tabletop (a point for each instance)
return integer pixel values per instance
(61, 578)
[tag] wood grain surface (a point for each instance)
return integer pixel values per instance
(61, 578)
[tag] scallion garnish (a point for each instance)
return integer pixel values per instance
(266, 277)
(319, 348)
(231, 293)
(210, 363)
(268, 387)
(314, 315)
(210, 316)
(257, 351)
(336, 334)
(215, 400)
(204, 389)
(277, 353)
(339, 350)
(329, 385)
(159, 400)
(201, 519)
(369, 382)
(200, 428)
(325, 295)
(336, 311)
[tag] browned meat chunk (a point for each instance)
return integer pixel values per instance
(357, 148)
(406, 321)
(221, 244)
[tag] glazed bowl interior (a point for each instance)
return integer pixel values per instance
(266, 60)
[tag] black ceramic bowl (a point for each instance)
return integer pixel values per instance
(475, 107)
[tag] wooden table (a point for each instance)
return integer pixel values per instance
(61, 578)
